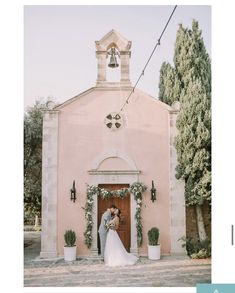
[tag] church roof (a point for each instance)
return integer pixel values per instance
(83, 94)
(113, 37)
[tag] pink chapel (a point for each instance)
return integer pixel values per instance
(87, 140)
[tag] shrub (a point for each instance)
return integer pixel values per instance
(195, 248)
(70, 238)
(201, 254)
(153, 235)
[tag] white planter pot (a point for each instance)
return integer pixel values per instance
(70, 253)
(154, 252)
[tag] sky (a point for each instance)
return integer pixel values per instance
(59, 44)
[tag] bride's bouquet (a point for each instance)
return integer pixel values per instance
(110, 225)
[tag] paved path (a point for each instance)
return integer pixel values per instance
(32, 244)
(167, 272)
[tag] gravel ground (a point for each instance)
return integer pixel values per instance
(170, 271)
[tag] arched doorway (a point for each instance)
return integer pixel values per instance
(124, 230)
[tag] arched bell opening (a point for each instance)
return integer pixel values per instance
(112, 45)
(113, 54)
(113, 63)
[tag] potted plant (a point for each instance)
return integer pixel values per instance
(70, 246)
(154, 249)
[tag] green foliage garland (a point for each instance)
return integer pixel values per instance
(136, 189)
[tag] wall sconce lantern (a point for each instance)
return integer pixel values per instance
(73, 192)
(153, 192)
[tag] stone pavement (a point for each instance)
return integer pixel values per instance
(32, 244)
(168, 272)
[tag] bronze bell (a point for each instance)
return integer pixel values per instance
(113, 60)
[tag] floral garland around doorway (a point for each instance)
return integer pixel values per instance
(136, 189)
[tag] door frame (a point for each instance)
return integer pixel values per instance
(114, 177)
(128, 197)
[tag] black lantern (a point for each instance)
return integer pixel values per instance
(73, 192)
(153, 192)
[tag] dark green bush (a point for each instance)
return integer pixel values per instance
(195, 248)
(153, 235)
(70, 238)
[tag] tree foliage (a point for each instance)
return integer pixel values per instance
(33, 158)
(193, 142)
(169, 87)
(189, 81)
(191, 60)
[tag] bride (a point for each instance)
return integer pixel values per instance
(115, 253)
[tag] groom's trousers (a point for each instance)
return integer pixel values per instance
(103, 237)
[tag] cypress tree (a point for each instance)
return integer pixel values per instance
(193, 142)
(189, 81)
(190, 57)
(168, 85)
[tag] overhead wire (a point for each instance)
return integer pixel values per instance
(150, 57)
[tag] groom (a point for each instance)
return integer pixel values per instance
(103, 229)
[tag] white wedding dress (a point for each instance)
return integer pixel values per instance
(115, 253)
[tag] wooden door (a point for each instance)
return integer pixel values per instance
(124, 206)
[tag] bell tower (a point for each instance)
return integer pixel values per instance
(113, 50)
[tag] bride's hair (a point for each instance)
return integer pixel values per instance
(119, 213)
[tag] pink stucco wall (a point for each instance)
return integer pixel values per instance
(144, 138)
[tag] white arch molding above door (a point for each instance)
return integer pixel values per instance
(113, 154)
(127, 176)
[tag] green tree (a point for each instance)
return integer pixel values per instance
(193, 145)
(33, 159)
(193, 142)
(189, 81)
(169, 87)
(190, 58)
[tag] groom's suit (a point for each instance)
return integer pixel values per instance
(103, 230)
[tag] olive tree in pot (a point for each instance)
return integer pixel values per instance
(70, 246)
(154, 249)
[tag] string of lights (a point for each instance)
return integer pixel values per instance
(150, 57)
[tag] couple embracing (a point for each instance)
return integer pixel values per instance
(112, 249)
